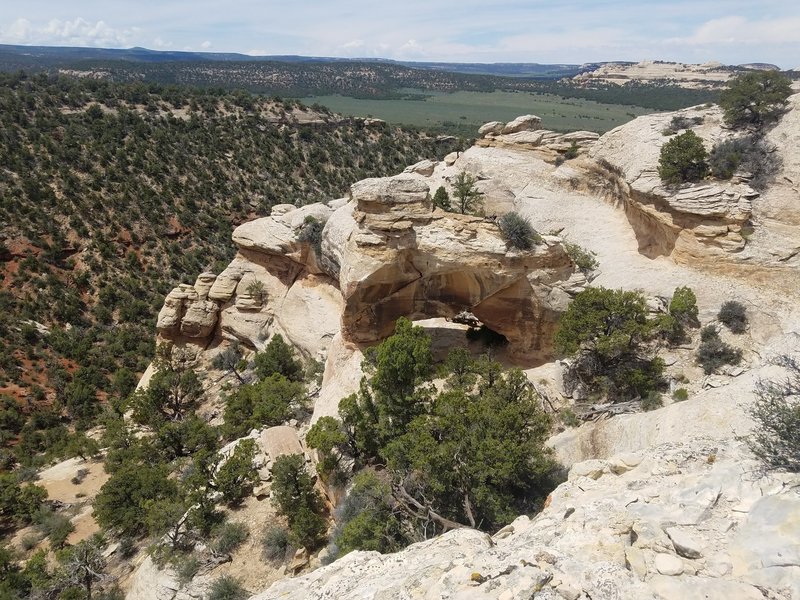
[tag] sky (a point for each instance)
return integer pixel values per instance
(551, 31)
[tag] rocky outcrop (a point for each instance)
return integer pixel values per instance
(394, 255)
(385, 254)
(526, 133)
(688, 222)
(673, 521)
(685, 75)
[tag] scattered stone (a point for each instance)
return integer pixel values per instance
(685, 543)
(667, 564)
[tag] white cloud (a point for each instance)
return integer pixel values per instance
(75, 32)
(739, 30)
(160, 44)
(206, 45)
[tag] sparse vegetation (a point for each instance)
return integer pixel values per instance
(276, 543)
(585, 260)
(714, 353)
(733, 315)
(776, 411)
(518, 231)
(652, 401)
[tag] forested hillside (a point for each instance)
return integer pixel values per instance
(112, 193)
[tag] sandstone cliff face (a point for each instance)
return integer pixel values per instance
(683, 520)
(395, 256)
(688, 222)
(385, 254)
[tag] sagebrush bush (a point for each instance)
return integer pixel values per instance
(227, 588)
(230, 537)
(733, 315)
(679, 122)
(726, 157)
(713, 353)
(518, 231)
(680, 395)
(275, 543)
(652, 401)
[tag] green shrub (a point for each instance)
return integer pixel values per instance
(713, 353)
(776, 438)
(733, 315)
(276, 543)
(227, 588)
(237, 476)
(680, 394)
(652, 401)
(683, 306)
(278, 358)
(683, 159)
(518, 231)
(607, 331)
(58, 528)
(365, 520)
(230, 537)
(186, 567)
(569, 418)
(584, 259)
(467, 196)
(441, 199)
(295, 497)
(571, 152)
(311, 232)
(679, 122)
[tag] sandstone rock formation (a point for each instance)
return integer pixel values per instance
(690, 221)
(385, 254)
(706, 75)
(395, 256)
(526, 133)
(684, 520)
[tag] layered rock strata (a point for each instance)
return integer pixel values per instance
(384, 254)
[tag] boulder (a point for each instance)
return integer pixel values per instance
(523, 123)
(423, 167)
(280, 441)
(491, 128)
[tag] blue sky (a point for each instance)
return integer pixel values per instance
(552, 31)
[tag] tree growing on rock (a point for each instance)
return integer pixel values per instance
(467, 196)
(171, 395)
(441, 199)
(683, 159)
(607, 332)
(295, 497)
(755, 98)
